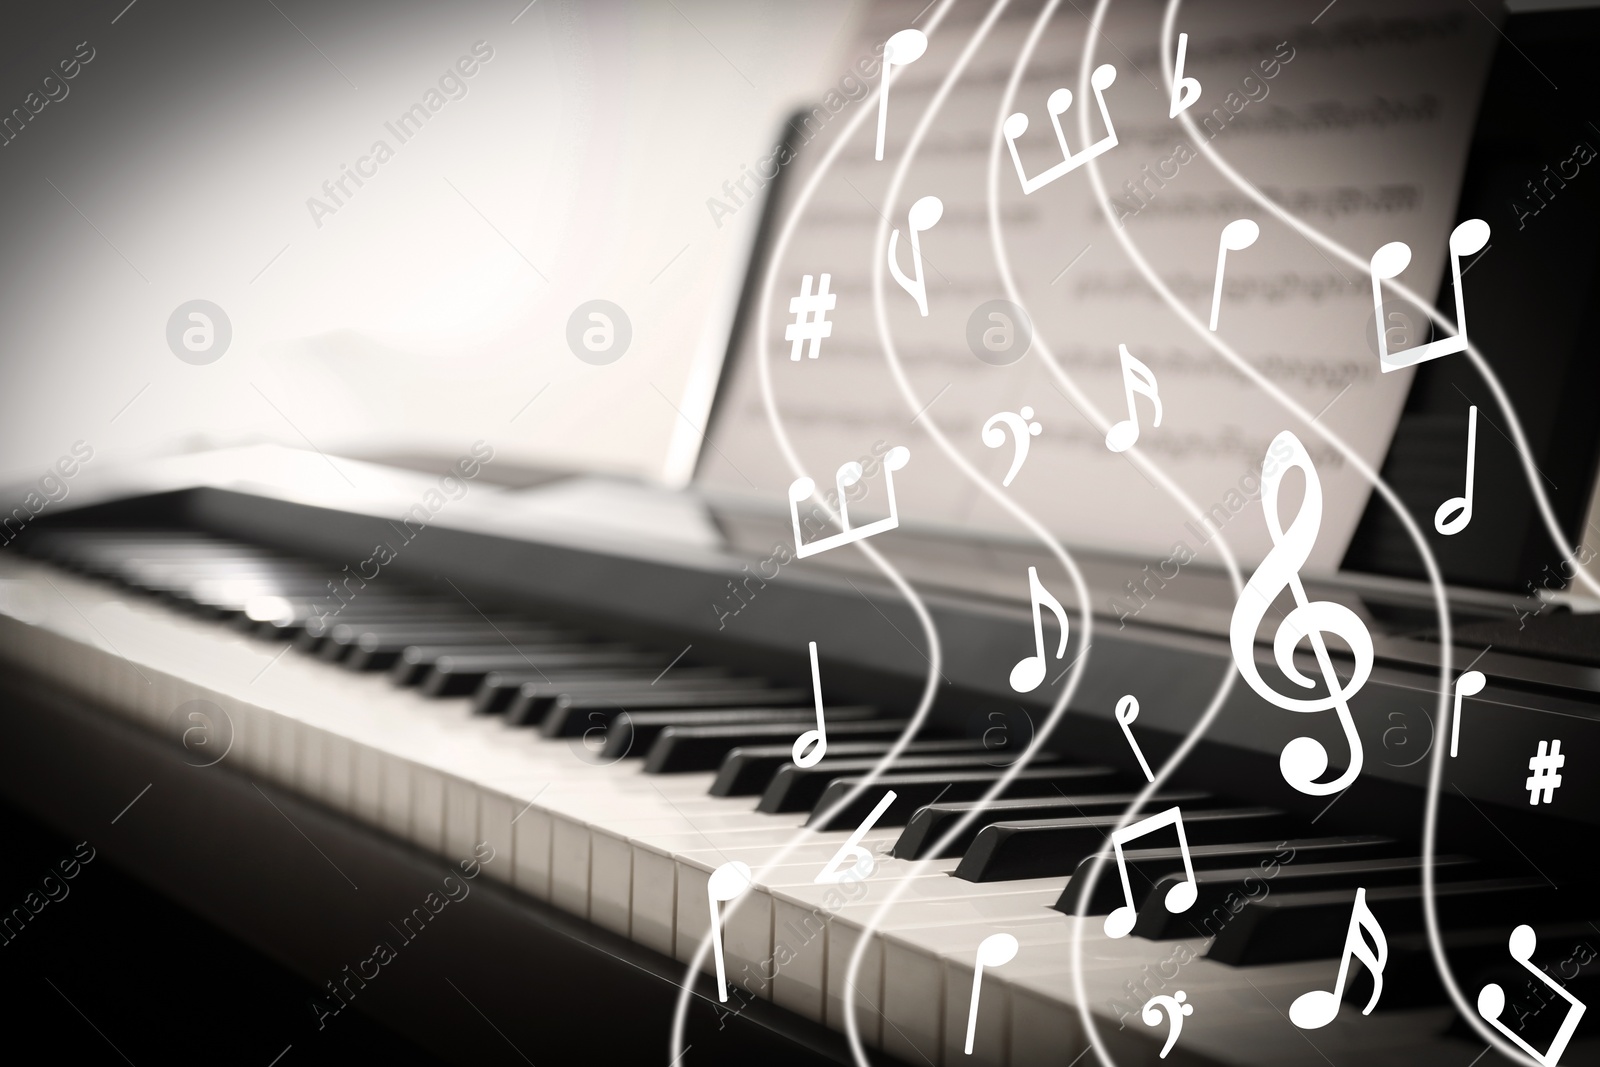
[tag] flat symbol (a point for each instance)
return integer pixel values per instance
(1021, 429)
(811, 317)
(1185, 91)
(1544, 766)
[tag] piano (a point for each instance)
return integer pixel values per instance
(510, 743)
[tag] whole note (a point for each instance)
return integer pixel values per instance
(1451, 526)
(1136, 379)
(1030, 670)
(1236, 237)
(1021, 429)
(1303, 759)
(900, 50)
(816, 740)
(996, 950)
(1317, 1008)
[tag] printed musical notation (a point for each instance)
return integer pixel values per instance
(1303, 760)
(726, 882)
(1029, 671)
(1492, 1001)
(1137, 379)
(1021, 429)
(1180, 898)
(814, 740)
(860, 859)
(1236, 237)
(1016, 125)
(924, 215)
(1451, 526)
(1127, 711)
(1470, 684)
(1318, 1007)
(801, 489)
(1185, 91)
(901, 50)
(996, 950)
(1174, 1006)
(1467, 239)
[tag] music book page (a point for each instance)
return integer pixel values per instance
(1359, 125)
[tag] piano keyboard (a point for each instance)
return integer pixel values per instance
(612, 779)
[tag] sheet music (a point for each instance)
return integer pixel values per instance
(1362, 130)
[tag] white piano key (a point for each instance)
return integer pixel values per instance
(427, 807)
(461, 817)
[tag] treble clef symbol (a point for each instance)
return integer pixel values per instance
(1304, 759)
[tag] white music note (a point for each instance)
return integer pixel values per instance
(1449, 527)
(1175, 1008)
(1180, 897)
(1021, 429)
(901, 50)
(1136, 378)
(726, 882)
(863, 864)
(1016, 125)
(1492, 1000)
(996, 950)
(1236, 237)
(924, 215)
(1303, 759)
(816, 740)
(1029, 671)
(849, 474)
(1470, 684)
(1185, 91)
(1127, 711)
(1388, 261)
(1318, 1007)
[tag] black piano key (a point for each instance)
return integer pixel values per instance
(1048, 848)
(1146, 866)
(1216, 888)
(461, 675)
(316, 630)
(800, 788)
(1289, 927)
(929, 824)
(679, 749)
(375, 653)
(568, 715)
(635, 733)
(500, 689)
(290, 618)
(747, 771)
(917, 790)
(346, 636)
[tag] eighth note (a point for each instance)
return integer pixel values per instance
(1029, 671)
(726, 882)
(1185, 91)
(1492, 1000)
(996, 950)
(1021, 429)
(1136, 379)
(1180, 898)
(847, 475)
(1470, 684)
(1127, 711)
(1318, 1007)
(924, 215)
(816, 740)
(1455, 525)
(900, 50)
(1236, 237)
(1388, 261)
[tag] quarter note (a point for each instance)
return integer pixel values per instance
(1463, 504)
(1127, 711)
(1303, 759)
(1387, 262)
(1236, 237)
(726, 882)
(901, 50)
(1016, 125)
(848, 474)
(996, 950)
(1136, 379)
(924, 215)
(1180, 898)
(1029, 671)
(862, 864)
(816, 740)
(1318, 1007)
(1492, 1001)
(1470, 684)
(1185, 91)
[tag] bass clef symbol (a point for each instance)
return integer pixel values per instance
(1304, 759)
